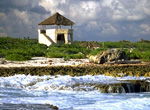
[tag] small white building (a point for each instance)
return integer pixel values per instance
(55, 35)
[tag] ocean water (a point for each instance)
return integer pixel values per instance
(70, 93)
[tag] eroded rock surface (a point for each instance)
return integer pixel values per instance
(108, 56)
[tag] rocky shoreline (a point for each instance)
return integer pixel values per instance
(80, 70)
(115, 70)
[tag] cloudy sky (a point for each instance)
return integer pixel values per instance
(95, 20)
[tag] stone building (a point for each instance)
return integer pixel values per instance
(57, 32)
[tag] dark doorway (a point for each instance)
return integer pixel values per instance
(60, 39)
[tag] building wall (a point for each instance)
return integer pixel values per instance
(51, 35)
(43, 40)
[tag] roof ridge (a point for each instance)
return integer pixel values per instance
(57, 19)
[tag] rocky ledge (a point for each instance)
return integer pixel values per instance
(132, 86)
(115, 70)
(109, 56)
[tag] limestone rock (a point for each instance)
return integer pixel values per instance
(108, 56)
(3, 62)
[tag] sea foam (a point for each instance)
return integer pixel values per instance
(58, 82)
(62, 91)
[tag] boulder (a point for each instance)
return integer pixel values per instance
(3, 62)
(108, 56)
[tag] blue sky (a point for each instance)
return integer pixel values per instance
(95, 20)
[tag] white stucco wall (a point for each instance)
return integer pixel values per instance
(52, 34)
(43, 40)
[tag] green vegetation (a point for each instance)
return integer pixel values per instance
(136, 50)
(23, 49)
(17, 57)
(67, 51)
(20, 49)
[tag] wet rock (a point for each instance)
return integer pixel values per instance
(108, 56)
(4, 106)
(109, 88)
(131, 86)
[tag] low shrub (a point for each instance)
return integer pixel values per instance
(77, 56)
(30, 47)
(55, 55)
(97, 51)
(1, 54)
(17, 57)
(137, 54)
(66, 51)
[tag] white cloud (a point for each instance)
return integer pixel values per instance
(111, 18)
(127, 10)
(52, 5)
(108, 29)
(3, 16)
(3, 34)
(107, 3)
(146, 7)
(23, 16)
(92, 25)
(146, 28)
(83, 11)
(20, 2)
(79, 11)
(135, 17)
